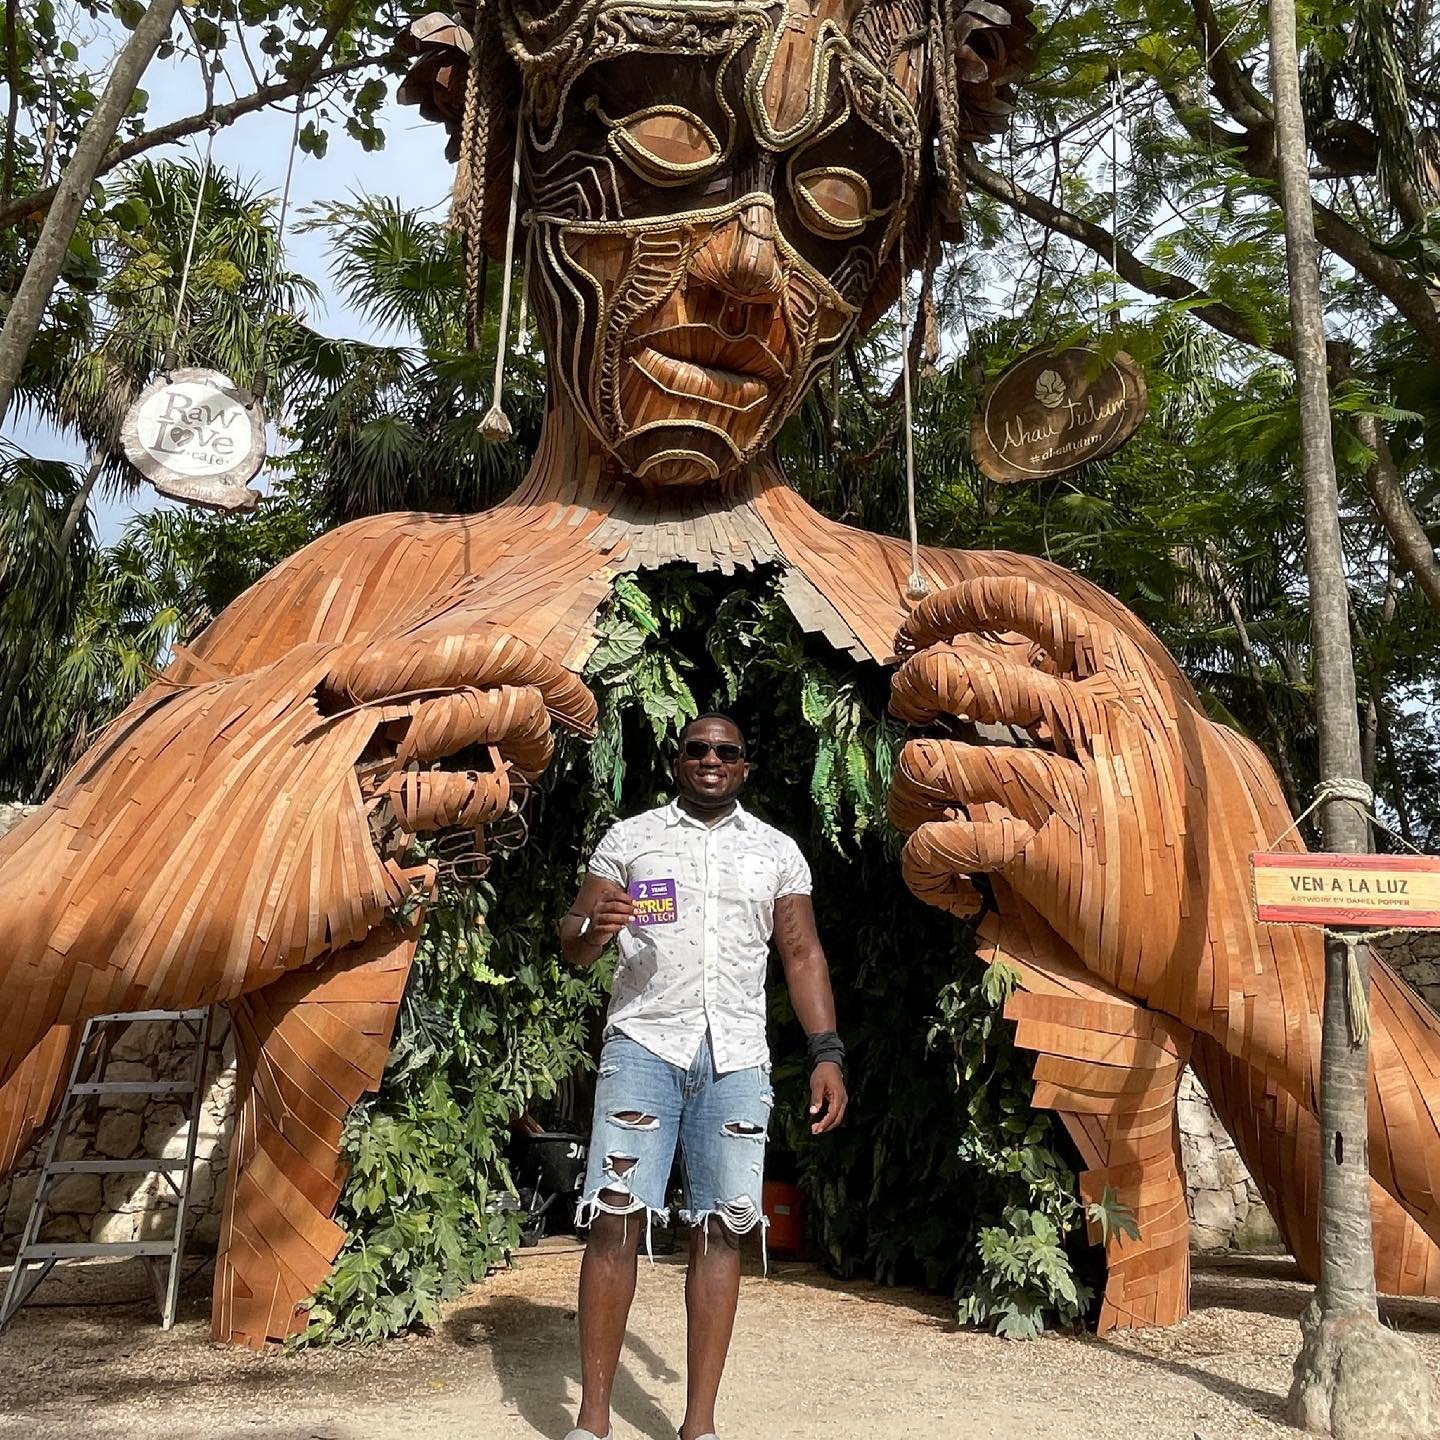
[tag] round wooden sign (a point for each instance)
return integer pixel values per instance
(194, 436)
(1049, 413)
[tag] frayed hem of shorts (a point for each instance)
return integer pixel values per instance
(739, 1225)
(589, 1206)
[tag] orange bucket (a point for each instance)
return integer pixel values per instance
(784, 1207)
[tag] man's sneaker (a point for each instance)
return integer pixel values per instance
(589, 1435)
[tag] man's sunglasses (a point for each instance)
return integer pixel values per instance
(725, 751)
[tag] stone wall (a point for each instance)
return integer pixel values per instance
(1417, 958)
(1226, 1211)
(124, 1127)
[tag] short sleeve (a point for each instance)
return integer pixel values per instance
(794, 870)
(611, 859)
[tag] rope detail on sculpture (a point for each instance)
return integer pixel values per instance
(495, 425)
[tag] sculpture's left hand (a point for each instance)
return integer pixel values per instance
(1105, 821)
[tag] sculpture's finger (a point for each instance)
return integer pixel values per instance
(1080, 643)
(513, 720)
(974, 681)
(938, 858)
(933, 777)
(432, 658)
(426, 800)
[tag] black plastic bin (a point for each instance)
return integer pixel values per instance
(549, 1171)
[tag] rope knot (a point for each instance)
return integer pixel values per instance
(1357, 792)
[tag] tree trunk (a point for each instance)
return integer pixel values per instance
(28, 307)
(1353, 1378)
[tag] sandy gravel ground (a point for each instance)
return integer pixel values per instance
(812, 1359)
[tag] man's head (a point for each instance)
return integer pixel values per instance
(715, 193)
(711, 765)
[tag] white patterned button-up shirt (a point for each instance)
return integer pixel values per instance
(706, 969)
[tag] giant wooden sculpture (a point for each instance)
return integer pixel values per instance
(712, 197)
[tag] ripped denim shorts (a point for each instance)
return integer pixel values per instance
(645, 1106)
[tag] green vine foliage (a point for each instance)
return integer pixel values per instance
(942, 1175)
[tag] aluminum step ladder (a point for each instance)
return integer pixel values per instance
(36, 1258)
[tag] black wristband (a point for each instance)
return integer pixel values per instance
(826, 1047)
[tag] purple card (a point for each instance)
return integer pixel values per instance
(654, 902)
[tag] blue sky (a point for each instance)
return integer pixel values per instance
(412, 166)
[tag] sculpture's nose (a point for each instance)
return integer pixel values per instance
(740, 258)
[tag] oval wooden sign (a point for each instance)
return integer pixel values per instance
(194, 436)
(1048, 413)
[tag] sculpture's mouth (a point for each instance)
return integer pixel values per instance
(693, 362)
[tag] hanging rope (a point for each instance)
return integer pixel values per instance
(522, 322)
(172, 347)
(1357, 1002)
(262, 361)
(494, 425)
(1114, 198)
(917, 587)
(1356, 792)
(474, 156)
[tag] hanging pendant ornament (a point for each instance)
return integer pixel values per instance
(192, 433)
(195, 436)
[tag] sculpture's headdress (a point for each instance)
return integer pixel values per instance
(964, 59)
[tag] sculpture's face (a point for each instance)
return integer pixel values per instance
(709, 192)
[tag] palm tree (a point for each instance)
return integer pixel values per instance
(127, 312)
(396, 426)
(134, 601)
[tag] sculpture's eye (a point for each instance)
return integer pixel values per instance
(666, 143)
(833, 201)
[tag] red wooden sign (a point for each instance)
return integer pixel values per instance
(1386, 890)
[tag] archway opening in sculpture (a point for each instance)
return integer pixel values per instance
(941, 1147)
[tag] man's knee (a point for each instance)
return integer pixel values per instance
(616, 1235)
(711, 1232)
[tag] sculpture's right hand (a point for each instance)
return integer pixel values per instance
(220, 833)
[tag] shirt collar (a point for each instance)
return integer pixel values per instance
(674, 815)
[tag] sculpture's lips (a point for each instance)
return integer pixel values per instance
(732, 389)
(706, 346)
(698, 362)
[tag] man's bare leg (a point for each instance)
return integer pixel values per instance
(607, 1286)
(712, 1291)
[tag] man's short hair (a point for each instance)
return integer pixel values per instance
(730, 720)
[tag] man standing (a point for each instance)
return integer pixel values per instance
(694, 890)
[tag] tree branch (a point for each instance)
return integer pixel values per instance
(1412, 546)
(39, 200)
(1410, 296)
(1255, 150)
(1130, 267)
(1245, 104)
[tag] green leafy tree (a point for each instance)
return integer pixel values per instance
(395, 426)
(238, 310)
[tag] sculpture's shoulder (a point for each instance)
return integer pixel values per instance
(850, 584)
(350, 583)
